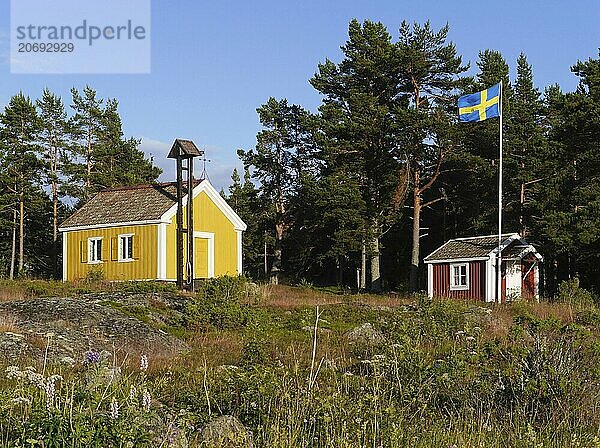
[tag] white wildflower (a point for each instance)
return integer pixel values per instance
(68, 361)
(35, 378)
(20, 401)
(146, 400)
(13, 373)
(144, 363)
(132, 392)
(50, 390)
(114, 409)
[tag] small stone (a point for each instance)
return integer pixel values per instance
(365, 333)
(226, 431)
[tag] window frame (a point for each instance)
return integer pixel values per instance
(96, 251)
(459, 287)
(121, 238)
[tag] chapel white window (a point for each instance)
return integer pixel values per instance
(459, 276)
(126, 247)
(94, 250)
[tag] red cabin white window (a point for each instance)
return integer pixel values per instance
(459, 276)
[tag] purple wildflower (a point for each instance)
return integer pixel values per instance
(91, 357)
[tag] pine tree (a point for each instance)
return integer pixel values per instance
(277, 165)
(430, 70)
(19, 133)
(572, 195)
(526, 148)
(358, 131)
(54, 138)
(86, 128)
(108, 159)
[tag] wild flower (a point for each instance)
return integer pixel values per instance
(144, 363)
(146, 400)
(13, 373)
(91, 357)
(50, 391)
(68, 361)
(35, 378)
(114, 409)
(20, 401)
(132, 393)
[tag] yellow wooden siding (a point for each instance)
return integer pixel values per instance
(142, 268)
(207, 218)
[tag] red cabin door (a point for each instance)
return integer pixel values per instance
(528, 278)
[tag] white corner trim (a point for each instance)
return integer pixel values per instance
(240, 269)
(221, 204)
(211, 250)
(161, 250)
(64, 257)
(112, 224)
(430, 280)
(490, 280)
(536, 281)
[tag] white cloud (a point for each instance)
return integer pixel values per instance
(158, 151)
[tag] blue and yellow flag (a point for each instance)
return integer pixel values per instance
(481, 105)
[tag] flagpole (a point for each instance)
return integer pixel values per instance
(499, 261)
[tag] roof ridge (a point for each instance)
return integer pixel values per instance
(505, 235)
(144, 186)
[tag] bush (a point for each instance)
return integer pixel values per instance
(570, 292)
(218, 304)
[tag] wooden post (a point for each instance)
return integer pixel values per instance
(190, 224)
(179, 223)
(185, 149)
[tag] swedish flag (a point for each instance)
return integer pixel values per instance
(481, 105)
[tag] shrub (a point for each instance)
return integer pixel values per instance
(94, 275)
(570, 292)
(218, 303)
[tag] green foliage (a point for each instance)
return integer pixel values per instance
(218, 304)
(570, 292)
(438, 373)
(144, 287)
(94, 275)
(80, 405)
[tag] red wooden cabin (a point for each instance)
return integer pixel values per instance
(466, 268)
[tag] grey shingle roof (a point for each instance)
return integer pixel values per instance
(184, 148)
(126, 204)
(467, 248)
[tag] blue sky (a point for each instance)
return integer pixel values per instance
(214, 63)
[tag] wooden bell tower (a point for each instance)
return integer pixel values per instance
(184, 151)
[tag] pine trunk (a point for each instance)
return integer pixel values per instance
(13, 252)
(375, 274)
(363, 266)
(54, 210)
(276, 266)
(21, 232)
(522, 229)
(89, 162)
(416, 233)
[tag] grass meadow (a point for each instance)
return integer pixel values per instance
(299, 367)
